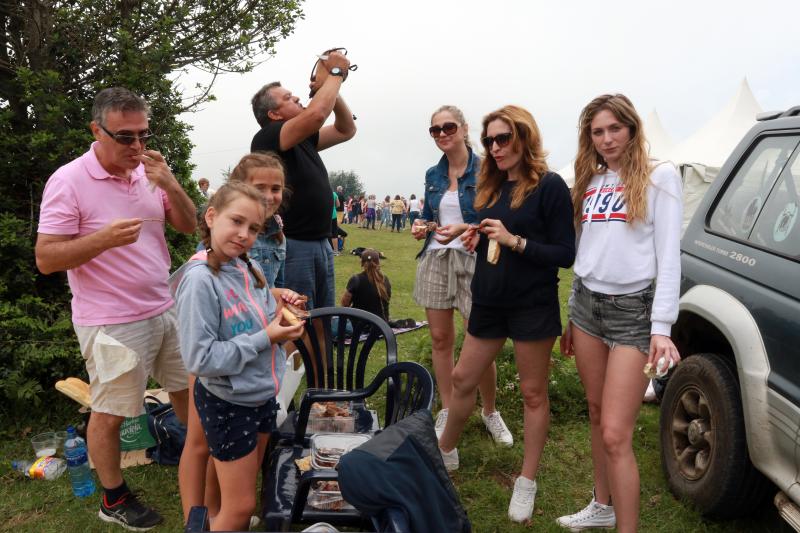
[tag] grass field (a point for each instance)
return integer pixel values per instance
(486, 475)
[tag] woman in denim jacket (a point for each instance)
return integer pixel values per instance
(445, 271)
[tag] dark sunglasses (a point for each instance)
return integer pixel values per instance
(501, 139)
(448, 128)
(127, 138)
(324, 56)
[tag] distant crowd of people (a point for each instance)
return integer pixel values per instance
(495, 229)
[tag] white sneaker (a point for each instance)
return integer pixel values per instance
(594, 515)
(450, 459)
(498, 429)
(521, 507)
(441, 422)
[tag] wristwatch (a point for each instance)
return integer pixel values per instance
(336, 71)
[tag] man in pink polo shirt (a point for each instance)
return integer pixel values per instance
(102, 220)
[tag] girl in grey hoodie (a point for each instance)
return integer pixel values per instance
(231, 336)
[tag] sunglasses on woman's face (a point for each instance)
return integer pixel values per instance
(502, 139)
(448, 128)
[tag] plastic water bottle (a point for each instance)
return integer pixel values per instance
(48, 468)
(78, 465)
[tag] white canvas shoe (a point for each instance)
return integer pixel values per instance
(520, 508)
(594, 515)
(441, 422)
(497, 427)
(450, 459)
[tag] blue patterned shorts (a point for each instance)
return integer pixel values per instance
(232, 430)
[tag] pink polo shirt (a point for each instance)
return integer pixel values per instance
(122, 284)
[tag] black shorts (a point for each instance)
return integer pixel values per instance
(529, 323)
(334, 228)
(232, 430)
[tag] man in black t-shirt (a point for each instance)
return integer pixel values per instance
(297, 134)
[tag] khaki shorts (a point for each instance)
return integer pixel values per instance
(443, 280)
(120, 358)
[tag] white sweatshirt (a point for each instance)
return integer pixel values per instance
(615, 257)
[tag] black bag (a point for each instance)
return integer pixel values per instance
(169, 432)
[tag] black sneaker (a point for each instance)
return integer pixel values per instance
(129, 513)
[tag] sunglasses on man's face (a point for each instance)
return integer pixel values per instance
(448, 128)
(502, 139)
(128, 137)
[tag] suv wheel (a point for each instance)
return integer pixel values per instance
(703, 447)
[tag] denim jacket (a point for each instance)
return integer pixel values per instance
(436, 184)
(270, 254)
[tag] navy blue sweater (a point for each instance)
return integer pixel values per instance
(529, 278)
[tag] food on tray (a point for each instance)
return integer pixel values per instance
(493, 252)
(326, 495)
(329, 409)
(303, 464)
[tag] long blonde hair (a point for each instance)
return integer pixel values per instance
(635, 166)
(224, 196)
(525, 138)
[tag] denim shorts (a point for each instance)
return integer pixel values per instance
(309, 271)
(232, 430)
(617, 320)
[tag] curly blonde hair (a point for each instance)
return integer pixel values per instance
(525, 138)
(635, 166)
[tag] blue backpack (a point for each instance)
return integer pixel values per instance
(167, 430)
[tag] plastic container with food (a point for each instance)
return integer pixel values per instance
(328, 448)
(326, 496)
(331, 417)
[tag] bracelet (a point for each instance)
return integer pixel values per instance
(517, 243)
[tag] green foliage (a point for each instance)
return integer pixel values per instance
(54, 57)
(349, 180)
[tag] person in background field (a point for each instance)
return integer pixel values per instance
(238, 356)
(445, 270)
(624, 297)
(386, 218)
(396, 207)
(340, 206)
(370, 290)
(102, 220)
(405, 211)
(527, 211)
(335, 224)
(370, 221)
(205, 192)
(297, 134)
(414, 208)
(350, 208)
(264, 171)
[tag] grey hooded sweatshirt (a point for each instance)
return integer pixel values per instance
(222, 320)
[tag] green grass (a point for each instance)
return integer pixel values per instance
(486, 475)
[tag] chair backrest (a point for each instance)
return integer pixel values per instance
(342, 361)
(410, 388)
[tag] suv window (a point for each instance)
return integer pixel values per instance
(737, 212)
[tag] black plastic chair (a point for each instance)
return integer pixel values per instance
(409, 388)
(342, 364)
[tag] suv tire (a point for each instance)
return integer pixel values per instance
(703, 448)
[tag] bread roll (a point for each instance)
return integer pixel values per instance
(76, 389)
(289, 316)
(493, 252)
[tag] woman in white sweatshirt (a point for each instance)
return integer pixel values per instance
(625, 294)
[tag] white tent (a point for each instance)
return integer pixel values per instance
(702, 154)
(660, 145)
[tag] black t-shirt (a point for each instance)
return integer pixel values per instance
(365, 295)
(529, 278)
(308, 216)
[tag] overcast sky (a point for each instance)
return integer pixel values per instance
(683, 58)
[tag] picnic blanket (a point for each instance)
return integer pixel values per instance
(397, 331)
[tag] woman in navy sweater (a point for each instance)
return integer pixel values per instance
(528, 212)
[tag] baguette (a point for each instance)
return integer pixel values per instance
(75, 389)
(493, 252)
